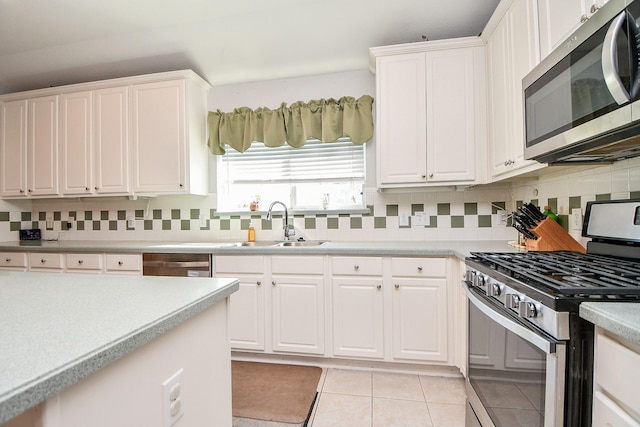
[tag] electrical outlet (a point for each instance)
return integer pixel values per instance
(576, 219)
(173, 398)
(403, 219)
(501, 217)
(203, 221)
(49, 223)
(421, 219)
(131, 223)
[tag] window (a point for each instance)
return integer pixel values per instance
(314, 177)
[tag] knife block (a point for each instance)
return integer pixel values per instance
(552, 237)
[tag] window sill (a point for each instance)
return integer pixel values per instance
(295, 212)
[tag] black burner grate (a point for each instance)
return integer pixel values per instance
(567, 273)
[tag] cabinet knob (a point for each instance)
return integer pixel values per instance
(430, 175)
(379, 286)
(419, 268)
(21, 191)
(584, 18)
(8, 260)
(181, 185)
(273, 283)
(86, 188)
(397, 286)
(29, 191)
(594, 8)
(356, 267)
(43, 260)
(258, 283)
(120, 263)
(95, 188)
(80, 261)
(424, 176)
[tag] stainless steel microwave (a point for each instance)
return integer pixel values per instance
(582, 102)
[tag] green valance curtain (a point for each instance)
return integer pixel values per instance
(324, 119)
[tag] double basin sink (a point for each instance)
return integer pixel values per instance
(286, 243)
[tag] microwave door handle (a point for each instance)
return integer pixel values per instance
(610, 60)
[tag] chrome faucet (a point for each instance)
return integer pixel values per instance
(288, 229)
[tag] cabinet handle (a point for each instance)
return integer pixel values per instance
(430, 175)
(419, 268)
(594, 8)
(29, 190)
(356, 267)
(80, 261)
(424, 176)
(95, 188)
(397, 286)
(86, 188)
(273, 283)
(584, 18)
(181, 185)
(379, 286)
(43, 260)
(21, 191)
(8, 260)
(120, 263)
(258, 283)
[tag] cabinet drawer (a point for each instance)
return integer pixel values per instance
(13, 259)
(419, 267)
(297, 265)
(239, 264)
(46, 261)
(123, 263)
(607, 413)
(612, 358)
(357, 266)
(84, 262)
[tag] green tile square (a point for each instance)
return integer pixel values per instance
(88, 216)
(574, 202)
(42, 216)
(212, 213)
(194, 213)
(321, 215)
(207, 225)
(185, 224)
(433, 223)
(495, 206)
(25, 216)
(57, 216)
(343, 215)
(235, 217)
(564, 221)
(553, 202)
(14, 226)
(417, 207)
(355, 222)
(139, 213)
(310, 223)
(80, 225)
(4, 216)
(444, 208)
(148, 224)
(113, 225)
(379, 222)
(157, 214)
(484, 221)
(634, 195)
(457, 221)
(104, 215)
(96, 225)
(35, 224)
(535, 202)
(471, 208)
(607, 197)
(175, 213)
(370, 213)
(266, 224)
(73, 215)
(332, 223)
(122, 215)
(166, 224)
(519, 203)
(392, 210)
(225, 224)
(244, 224)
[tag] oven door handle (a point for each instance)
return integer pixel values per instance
(543, 343)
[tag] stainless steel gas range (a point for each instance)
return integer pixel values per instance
(530, 355)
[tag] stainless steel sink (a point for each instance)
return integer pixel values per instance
(298, 243)
(251, 244)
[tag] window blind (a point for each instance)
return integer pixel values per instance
(315, 161)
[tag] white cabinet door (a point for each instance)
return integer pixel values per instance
(246, 313)
(76, 142)
(559, 19)
(297, 318)
(42, 148)
(358, 317)
(420, 319)
(112, 165)
(13, 148)
(159, 137)
(401, 119)
(451, 81)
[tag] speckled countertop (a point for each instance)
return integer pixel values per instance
(620, 318)
(56, 329)
(458, 248)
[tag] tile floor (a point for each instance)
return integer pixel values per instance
(375, 399)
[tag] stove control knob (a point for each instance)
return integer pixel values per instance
(494, 290)
(482, 280)
(527, 309)
(512, 301)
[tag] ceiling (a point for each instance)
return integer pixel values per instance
(55, 42)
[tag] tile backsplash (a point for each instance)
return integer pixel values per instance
(470, 214)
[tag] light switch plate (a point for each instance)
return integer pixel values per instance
(576, 219)
(421, 219)
(403, 219)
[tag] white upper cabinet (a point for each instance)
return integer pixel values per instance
(169, 147)
(560, 18)
(512, 51)
(430, 110)
(143, 135)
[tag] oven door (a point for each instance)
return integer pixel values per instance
(515, 372)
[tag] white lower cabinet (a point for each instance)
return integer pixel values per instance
(49, 262)
(357, 307)
(419, 320)
(84, 263)
(15, 261)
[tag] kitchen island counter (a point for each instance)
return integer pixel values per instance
(457, 248)
(619, 318)
(57, 329)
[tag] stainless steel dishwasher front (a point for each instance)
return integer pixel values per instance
(176, 264)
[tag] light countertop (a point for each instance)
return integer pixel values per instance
(56, 329)
(458, 248)
(619, 318)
